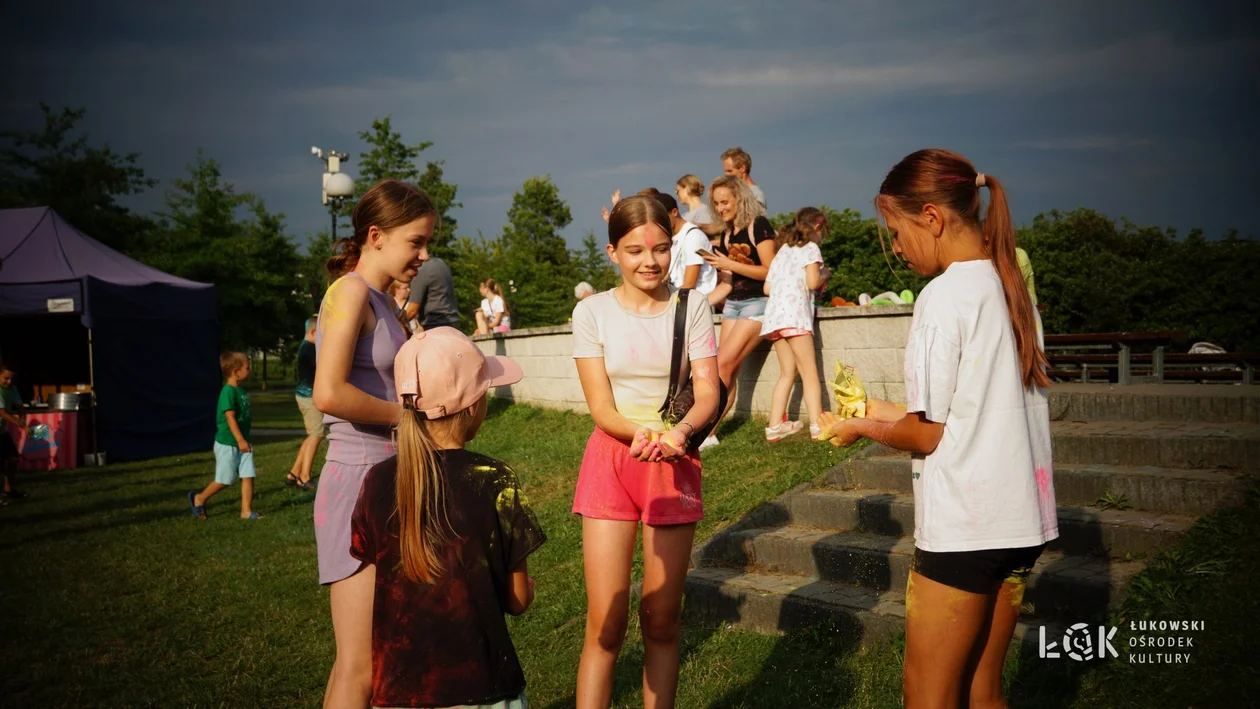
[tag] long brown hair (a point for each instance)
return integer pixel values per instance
(633, 212)
(424, 529)
(388, 205)
(747, 208)
(791, 235)
(949, 180)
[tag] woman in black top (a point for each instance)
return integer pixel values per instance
(746, 250)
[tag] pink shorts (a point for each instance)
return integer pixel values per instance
(787, 332)
(614, 485)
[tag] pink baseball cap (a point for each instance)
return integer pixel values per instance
(447, 373)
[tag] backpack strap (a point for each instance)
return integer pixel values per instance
(677, 353)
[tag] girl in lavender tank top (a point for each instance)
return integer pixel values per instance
(356, 340)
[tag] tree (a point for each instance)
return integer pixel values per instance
(594, 266)
(390, 157)
(53, 167)
(535, 259)
(443, 196)
(252, 263)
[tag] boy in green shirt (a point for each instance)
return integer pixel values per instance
(233, 455)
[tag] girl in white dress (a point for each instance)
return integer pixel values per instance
(789, 323)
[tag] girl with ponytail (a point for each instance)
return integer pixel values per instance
(976, 422)
(443, 535)
(356, 338)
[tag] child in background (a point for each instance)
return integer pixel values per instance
(233, 454)
(978, 426)
(493, 314)
(789, 323)
(443, 534)
(300, 474)
(814, 222)
(11, 412)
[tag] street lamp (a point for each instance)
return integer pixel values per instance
(338, 186)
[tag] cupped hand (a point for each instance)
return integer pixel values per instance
(673, 444)
(843, 432)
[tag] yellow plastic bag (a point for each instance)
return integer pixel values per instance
(850, 394)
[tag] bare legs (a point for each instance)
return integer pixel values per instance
(247, 496)
(483, 325)
(351, 599)
(608, 549)
(301, 470)
(737, 340)
(956, 644)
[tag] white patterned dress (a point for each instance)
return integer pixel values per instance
(790, 310)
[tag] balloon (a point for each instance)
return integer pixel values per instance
(38, 432)
(864, 299)
(907, 296)
(891, 297)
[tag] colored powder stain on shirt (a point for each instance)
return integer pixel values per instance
(1043, 480)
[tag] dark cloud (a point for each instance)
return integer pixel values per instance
(1133, 108)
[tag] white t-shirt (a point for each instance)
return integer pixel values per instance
(492, 307)
(791, 303)
(700, 214)
(683, 254)
(636, 349)
(990, 482)
(761, 196)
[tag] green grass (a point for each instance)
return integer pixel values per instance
(275, 409)
(115, 596)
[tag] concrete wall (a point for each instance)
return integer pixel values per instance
(872, 339)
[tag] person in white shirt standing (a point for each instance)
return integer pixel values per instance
(977, 422)
(687, 269)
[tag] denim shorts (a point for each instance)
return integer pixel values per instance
(744, 309)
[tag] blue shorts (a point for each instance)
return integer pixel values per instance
(230, 463)
(744, 309)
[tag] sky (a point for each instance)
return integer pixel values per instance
(1143, 110)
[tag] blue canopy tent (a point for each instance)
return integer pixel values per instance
(72, 310)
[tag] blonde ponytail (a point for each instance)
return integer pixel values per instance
(424, 530)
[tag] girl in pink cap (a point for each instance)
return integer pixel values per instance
(634, 471)
(356, 339)
(443, 535)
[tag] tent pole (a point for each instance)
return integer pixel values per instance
(96, 453)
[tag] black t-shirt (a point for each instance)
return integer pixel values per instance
(306, 368)
(446, 644)
(742, 248)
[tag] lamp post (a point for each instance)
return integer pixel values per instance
(338, 187)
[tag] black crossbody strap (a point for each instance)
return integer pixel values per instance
(677, 354)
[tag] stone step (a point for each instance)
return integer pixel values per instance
(1061, 586)
(1196, 446)
(780, 603)
(1081, 530)
(1181, 491)
(1195, 403)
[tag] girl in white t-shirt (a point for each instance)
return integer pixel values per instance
(493, 315)
(977, 422)
(634, 470)
(789, 323)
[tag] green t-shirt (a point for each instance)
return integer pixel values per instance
(232, 399)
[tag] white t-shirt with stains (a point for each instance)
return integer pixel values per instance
(636, 349)
(990, 482)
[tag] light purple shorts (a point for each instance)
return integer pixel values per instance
(339, 486)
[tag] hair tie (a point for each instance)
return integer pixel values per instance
(979, 179)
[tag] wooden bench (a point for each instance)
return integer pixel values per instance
(1119, 356)
(1156, 366)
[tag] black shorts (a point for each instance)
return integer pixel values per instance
(982, 571)
(8, 449)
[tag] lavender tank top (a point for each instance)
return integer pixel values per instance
(371, 371)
